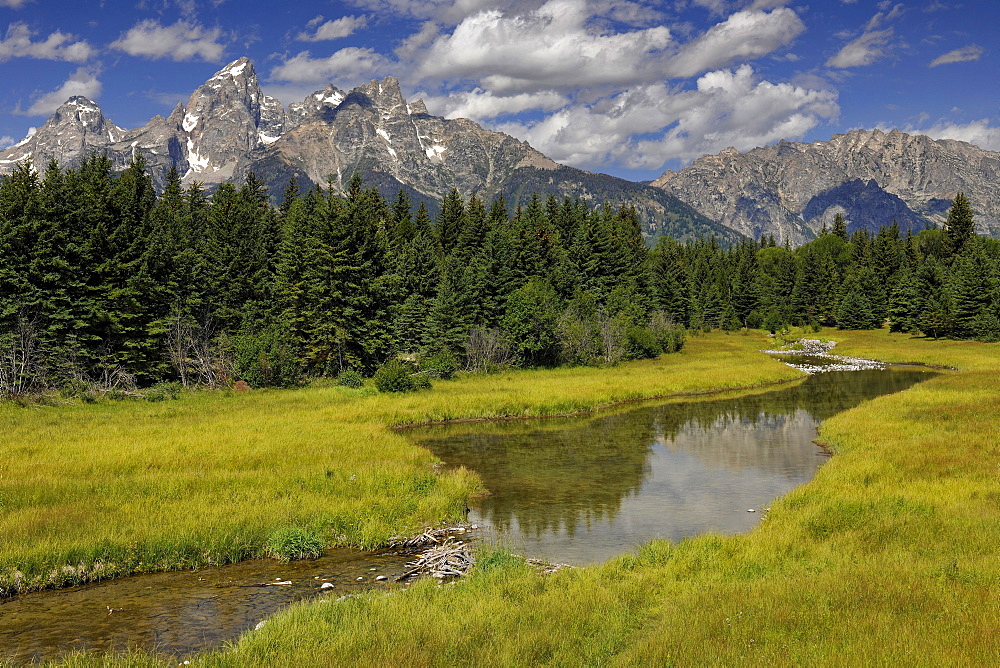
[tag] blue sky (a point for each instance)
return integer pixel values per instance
(626, 87)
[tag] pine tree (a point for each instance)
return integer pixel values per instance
(972, 285)
(855, 309)
(668, 280)
(449, 221)
(839, 227)
(904, 303)
(961, 223)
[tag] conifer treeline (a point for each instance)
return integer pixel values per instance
(102, 281)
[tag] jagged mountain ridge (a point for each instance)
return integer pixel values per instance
(230, 128)
(791, 189)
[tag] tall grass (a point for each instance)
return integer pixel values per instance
(101, 490)
(891, 555)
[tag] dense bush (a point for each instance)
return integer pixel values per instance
(441, 364)
(398, 376)
(350, 378)
(163, 392)
(265, 359)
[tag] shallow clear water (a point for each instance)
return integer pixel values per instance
(581, 490)
(180, 612)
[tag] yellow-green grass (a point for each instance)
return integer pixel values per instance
(890, 556)
(101, 490)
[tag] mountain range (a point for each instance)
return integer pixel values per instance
(230, 128)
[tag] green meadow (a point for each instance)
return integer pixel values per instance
(891, 555)
(91, 491)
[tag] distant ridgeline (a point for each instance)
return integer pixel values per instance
(103, 283)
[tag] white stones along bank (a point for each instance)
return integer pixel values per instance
(813, 356)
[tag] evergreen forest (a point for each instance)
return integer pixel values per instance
(105, 283)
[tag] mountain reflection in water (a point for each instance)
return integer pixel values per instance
(581, 490)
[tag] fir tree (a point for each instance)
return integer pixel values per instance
(961, 223)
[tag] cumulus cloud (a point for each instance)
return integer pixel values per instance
(749, 34)
(14, 4)
(7, 141)
(965, 54)
(82, 82)
(478, 104)
(728, 108)
(183, 40)
(977, 132)
(864, 50)
(345, 65)
(549, 47)
(17, 43)
(559, 47)
(335, 29)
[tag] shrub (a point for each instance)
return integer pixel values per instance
(643, 343)
(395, 376)
(163, 392)
(266, 359)
(441, 364)
(288, 543)
(350, 378)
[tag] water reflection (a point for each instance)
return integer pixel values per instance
(581, 490)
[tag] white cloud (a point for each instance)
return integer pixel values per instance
(183, 40)
(743, 35)
(82, 82)
(550, 47)
(965, 54)
(445, 11)
(479, 104)
(883, 17)
(14, 4)
(346, 65)
(17, 43)
(864, 50)
(558, 46)
(728, 108)
(335, 29)
(977, 132)
(7, 141)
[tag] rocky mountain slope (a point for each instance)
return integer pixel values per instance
(225, 120)
(230, 128)
(868, 176)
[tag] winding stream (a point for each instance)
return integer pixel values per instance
(581, 490)
(572, 490)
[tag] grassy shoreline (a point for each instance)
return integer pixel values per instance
(890, 555)
(95, 491)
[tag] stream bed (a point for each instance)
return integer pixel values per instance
(581, 490)
(569, 490)
(180, 612)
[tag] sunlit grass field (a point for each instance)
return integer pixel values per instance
(890, 556)
(91, 491)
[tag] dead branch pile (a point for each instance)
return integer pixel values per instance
(450, 559)
(429, 537)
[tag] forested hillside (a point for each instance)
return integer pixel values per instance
(105, 284)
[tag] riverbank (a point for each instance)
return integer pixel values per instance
(890, 555)
(94, 491)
